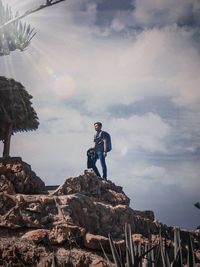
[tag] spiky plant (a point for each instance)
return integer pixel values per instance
(134, 252)
(157, 255)
(16, 111)
(16, 35)
(190, 252)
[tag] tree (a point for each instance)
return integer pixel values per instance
(13, 33)
(16, 112)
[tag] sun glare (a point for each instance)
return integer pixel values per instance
(64, 86)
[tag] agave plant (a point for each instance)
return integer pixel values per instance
(134, 252)
(177, 260)
(190, 252)
(158, 255)
(16, 35)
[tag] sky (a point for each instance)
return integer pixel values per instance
(134, 65)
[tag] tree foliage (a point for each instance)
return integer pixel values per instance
(16, 111)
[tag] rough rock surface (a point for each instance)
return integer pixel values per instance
(69, 223)
(18, 252)
(44, 211)
(82, 202)
(16, 176)
(97, 189)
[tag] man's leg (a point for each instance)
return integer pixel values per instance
(94, 167)
(91, 165)
(96, 171)
(103, 164)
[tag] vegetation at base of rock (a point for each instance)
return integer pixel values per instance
(16, 111)
(159, 254)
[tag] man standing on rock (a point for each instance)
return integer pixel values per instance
(103, 145)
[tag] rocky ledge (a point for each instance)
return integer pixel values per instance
(69, 223)
(16, 177)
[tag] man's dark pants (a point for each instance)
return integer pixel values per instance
(101, 157)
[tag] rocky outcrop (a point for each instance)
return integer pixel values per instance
(16, 176)
(82, 202)
(95, 188)
(48, 211)
(81, 214)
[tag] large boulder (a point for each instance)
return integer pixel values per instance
(16, 176)
(94, 187)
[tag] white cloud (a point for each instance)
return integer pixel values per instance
(147, 132)
(161, 62)
(148, 171)
(117, 25)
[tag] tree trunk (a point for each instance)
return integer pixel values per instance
(6, 148)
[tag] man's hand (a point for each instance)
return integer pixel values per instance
(105, 154)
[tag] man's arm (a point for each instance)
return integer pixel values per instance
(104, 147)
(94, 143)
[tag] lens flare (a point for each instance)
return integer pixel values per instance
(64, 86)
